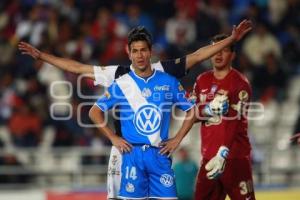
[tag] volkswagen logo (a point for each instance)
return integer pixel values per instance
(166, 180)
(147, 119)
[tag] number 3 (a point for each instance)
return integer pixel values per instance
(246, 187)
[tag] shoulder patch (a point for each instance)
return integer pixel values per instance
(243, 95)
(177, 61)
(180, 87)
(107, 95)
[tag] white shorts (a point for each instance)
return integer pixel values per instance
(114, 173)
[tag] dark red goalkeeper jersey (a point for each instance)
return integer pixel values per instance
(229, 130)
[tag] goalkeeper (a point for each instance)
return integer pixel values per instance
(222, 96)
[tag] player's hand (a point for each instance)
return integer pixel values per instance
(27, 49)
(238, 32)
(122, 145)
(169, 146)
(218, 106)
(216, 165)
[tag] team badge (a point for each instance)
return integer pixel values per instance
(130, 187)
(167, 180)
(146, 92)
(213, 89)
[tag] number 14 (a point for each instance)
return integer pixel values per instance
(131, 173)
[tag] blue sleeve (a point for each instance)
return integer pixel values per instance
(110, 97)
(179, 97)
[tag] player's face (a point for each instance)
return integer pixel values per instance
(222, 59)
(140, 54)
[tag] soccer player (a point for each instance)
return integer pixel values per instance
(145, 98)
(106, 75)
(223, 96)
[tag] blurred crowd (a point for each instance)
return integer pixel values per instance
(95, 32)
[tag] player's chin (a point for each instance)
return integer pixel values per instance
(142, 67)
(219, 66)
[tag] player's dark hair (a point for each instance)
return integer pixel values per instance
(220, 37)
(140, 33)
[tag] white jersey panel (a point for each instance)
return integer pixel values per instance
(105, 76)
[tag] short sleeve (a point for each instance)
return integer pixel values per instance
(174, 67)
(104, 76)
(179, 97)
(110, 98)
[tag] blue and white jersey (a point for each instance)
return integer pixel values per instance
(145, 105)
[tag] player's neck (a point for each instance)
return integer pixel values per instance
(221, 73)
(143, 73)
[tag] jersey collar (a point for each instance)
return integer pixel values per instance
(146, 80)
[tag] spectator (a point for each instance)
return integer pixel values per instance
(185, 171)
(180, 33)
(136, 18)
(270, 80)
(181, 30)
(25, 126)
(261, 43)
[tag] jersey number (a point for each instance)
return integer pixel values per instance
(131, 173)
(246, 187)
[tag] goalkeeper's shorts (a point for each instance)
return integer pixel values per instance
(236, 182)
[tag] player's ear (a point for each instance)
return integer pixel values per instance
(127, 49)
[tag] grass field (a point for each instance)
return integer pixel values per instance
(287, 194)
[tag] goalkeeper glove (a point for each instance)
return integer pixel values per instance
(218, 106)
(216, 165)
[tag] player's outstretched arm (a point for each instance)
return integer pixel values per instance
(97, 116)
(238, 32)
(62, 63)
(168, 147)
